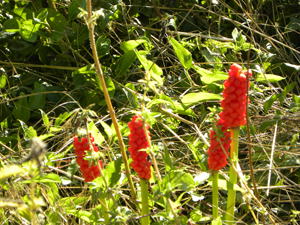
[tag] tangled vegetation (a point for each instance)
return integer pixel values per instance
(166, 61)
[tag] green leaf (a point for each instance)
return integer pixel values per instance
(112, 172)
(72, 202)
(217, 221)
(62, 117)
(208, 77)
(95, 133)
(289, 88)
(102, 45)
(184, 56)
(180, 109)
(83, 215)
(293, 25)
(45, 119)
(58, 23)
(124, 63)
(74, 10)
(110, 87)
(28, 30)
(179, 179)
(158, 101)
(37, 101)
(11, 25)
(107, 128)
(155, 70)
(29, 132)
(266, 124)
(269, 102)
(128, 46)
(195, 98)
(269, 77)
(2, 81)
(48, 178)
(21, 110)
(132, 98)
(238, 37)
(72, 169)
(167, 159)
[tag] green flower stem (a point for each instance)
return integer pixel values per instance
(215, 187)
(145, 206)
(104, 209)
(229, 218)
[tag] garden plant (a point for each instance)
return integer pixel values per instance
(149, 112)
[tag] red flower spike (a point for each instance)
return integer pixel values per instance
(217, 159)
(138, 141)
(88, 173)
(235, 96)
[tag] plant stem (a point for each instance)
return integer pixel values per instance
(215, 190)
(145, 206)
(104, 209)
(107, 99)
(229, 218)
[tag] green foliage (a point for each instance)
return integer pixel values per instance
(171, 66)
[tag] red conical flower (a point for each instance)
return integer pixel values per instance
(138, 141)
(89, 173)
(217, 159)
(235, 95)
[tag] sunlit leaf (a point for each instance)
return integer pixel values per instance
(196, 98)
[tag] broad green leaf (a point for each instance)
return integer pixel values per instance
(102, 45)
(293, 25)
(128, 46)
(196, 215)
(110, 86)
(74, 10)
(107, 128)
(62, 117)
(266, 124)
(155, 70)
(208, 77)
(124, 63)
(289, 88)
(21, 110)
(217, 221)
(95, 133)
(269, 102)
(132, 98)
(238, 37)
(45, 119)
(195, 98)
(9, 171)
(112, 172)
(58, 24)
(28, 30)
(2, 81)
(29, 132)
(37, 101)
(11, 25)
(182, 110)
(81, 214)
(48, 178)
(270, 77)
(72, 202)
(179, 179)
(184, 56)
